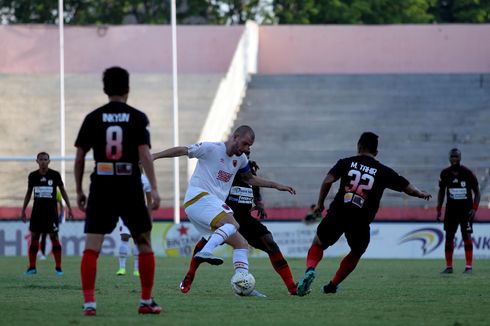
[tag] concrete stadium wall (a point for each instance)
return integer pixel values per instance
(337, 49)
(31, 49)
(318, 49)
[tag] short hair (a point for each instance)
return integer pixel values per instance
(243, 130)
(454, 151)
(369, 141)
(116, 81)
(41, 153)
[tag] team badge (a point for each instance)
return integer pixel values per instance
(234, 163)
(226, 207)
(463, 183)
(50, 182)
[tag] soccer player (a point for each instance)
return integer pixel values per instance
(125, 234)
(241, 199)
(119, 136)
(460, 184)
(362, 182)
(44, 218)
(210, 184)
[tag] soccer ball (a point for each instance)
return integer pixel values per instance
(243, 283)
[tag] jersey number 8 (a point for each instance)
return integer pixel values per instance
(113, 148)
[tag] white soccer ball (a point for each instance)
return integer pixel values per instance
(243, 283)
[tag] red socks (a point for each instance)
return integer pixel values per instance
(33, 249)
(88, 270)
(282, 268)
(57, 252)
(147, 274)
(347, 265)
(194, 264)
(315, 255)
(468, 252)
(448, 251)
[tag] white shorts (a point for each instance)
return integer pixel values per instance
(204, 210)
(123, 229)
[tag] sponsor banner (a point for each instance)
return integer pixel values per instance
(388, 240)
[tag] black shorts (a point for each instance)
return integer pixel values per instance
(106, 203)
(357, 232)
(454, 218)
(43, 222)
(251, 228)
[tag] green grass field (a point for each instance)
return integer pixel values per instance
(378, 292)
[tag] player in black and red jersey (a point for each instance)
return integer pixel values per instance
(119, 136)
(243, 199)
(362, 182)
(460, 184)
(44, 218)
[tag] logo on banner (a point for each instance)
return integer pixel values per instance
(431, 238)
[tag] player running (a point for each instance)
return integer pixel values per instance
(119, 136)
(241, 200)
(362, 182)
(210, 184)
(44, 218)
(459, 183)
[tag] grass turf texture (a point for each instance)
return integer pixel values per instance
(378, 292)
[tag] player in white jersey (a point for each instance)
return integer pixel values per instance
(125, 234)
(204, 203)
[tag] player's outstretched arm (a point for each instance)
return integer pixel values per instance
(411, 190)
(257, 181)
(171, 152)
(324, 190)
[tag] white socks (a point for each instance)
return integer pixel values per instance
(219, 236)
(123, 253)
(240, 260)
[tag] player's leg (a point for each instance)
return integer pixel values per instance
(88, 271)
(123, 252)
(258, 236)
(358, 240)
(328, 232)
(147, 273)
(466, 231)
(136, 254)
(42, 246)
(211, 215)
(33, 249)
(186, 283)
(450, 227)
(56, 252)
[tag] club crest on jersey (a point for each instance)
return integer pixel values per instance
(226, 207)
(50, 182)
(463, 183)
(234, 163)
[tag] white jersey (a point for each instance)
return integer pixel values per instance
(215, 170)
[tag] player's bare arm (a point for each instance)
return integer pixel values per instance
(324, 190)
(78, 171)
(171, 152)
(257, 181)
(27, 199)
(67, 201)
(146, 160)
(476, 201)
(411, 190)
(440, 200)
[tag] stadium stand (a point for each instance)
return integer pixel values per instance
(30, 122)
(304, 123)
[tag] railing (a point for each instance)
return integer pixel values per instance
(231, 90)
